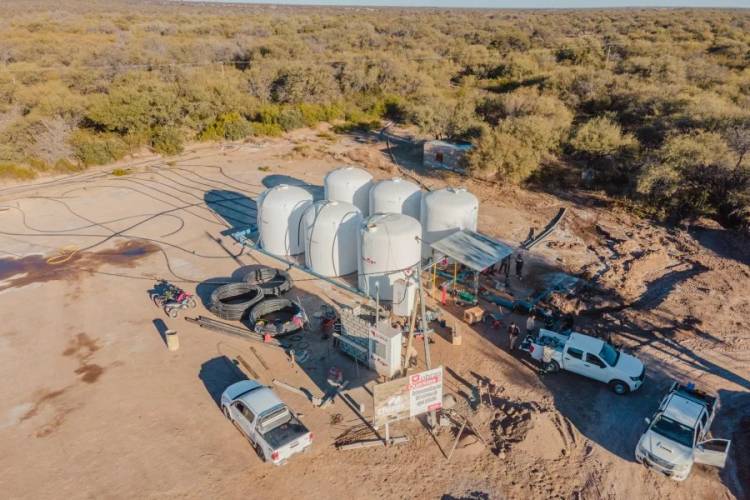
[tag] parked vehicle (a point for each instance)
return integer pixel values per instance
(587, 356)
(678, 434)
(171, 298)
(271, 426)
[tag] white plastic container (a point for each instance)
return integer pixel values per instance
(280, 212)
(446, 211)
(331, 229)
(404, 296)
(350, 185)
(397, 196)
(388, 250)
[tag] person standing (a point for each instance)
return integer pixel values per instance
(519, 266)
(513, 334)
(530, 323)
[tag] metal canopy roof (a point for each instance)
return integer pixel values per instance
(472, 249)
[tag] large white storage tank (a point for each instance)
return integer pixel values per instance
(280, 212)
(331, 230)
(350, 185)
(446, 211)
(388, 249)
(396, 196)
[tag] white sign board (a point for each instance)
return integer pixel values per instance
(408, 396)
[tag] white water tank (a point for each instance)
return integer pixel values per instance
(446, 211)
(388, 250)
(330, 229)
(280, 212)
(397, 196)
(350, 185)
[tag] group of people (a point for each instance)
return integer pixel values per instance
(514, 333)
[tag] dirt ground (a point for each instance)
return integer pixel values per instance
(93, 405)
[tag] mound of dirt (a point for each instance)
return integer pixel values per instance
(543, 439)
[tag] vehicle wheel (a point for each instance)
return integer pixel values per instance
(552, 367)
(191, 303)
(619, 387)
(173, 312)
(259, 451)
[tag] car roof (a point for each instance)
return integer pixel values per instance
(588, 344)
(260, 400)
(683, 410)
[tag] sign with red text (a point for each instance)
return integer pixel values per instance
(408, 396)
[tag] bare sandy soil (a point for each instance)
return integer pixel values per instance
(93, 405)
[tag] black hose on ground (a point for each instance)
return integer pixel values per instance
(269, 306)
(273, 282)
(233, 300)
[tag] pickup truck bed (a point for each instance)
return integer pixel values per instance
(695, 395)
(285, 433)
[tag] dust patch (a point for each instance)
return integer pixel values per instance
(16, 273)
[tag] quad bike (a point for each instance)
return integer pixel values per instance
(172, 298)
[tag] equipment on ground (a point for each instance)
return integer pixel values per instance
(276, 317)
(233, 300)
(171, 298)
(274, 282)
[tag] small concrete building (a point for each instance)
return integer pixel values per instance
(445, 155)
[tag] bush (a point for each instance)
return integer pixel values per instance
(501, 155)
(18, 172)
(231, 126)
(695, 174)
(166, 140)
(600, 137)
(290, 119)
(266, 129)
(97, 149)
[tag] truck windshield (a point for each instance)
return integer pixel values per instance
(609, 354)
(673, 430)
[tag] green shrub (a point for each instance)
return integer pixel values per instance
(266, 129)
(290, 119)
(119, 172)
(600, 137)
(97, 149)
(166, 140)
(64, 165)
(13, 171)
(231, 126)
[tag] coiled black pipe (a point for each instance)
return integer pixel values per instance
(273, 282)
(233, 300)
(269, 306)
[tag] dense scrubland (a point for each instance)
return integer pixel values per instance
(652, 106)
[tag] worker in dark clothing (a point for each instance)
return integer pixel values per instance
(519, 266)
(513, 333)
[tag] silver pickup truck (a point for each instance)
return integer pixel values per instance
(678, 435)
(271, 426)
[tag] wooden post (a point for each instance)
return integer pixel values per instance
(412, 322)
(455, 443)
(431, 417)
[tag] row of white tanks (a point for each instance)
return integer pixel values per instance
(339, 236)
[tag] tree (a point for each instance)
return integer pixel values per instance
(695, 174)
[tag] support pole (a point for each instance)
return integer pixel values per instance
(431, 417)
(412, 322)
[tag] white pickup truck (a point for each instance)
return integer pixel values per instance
(587, 356)
(678, 434)
(272, 428)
